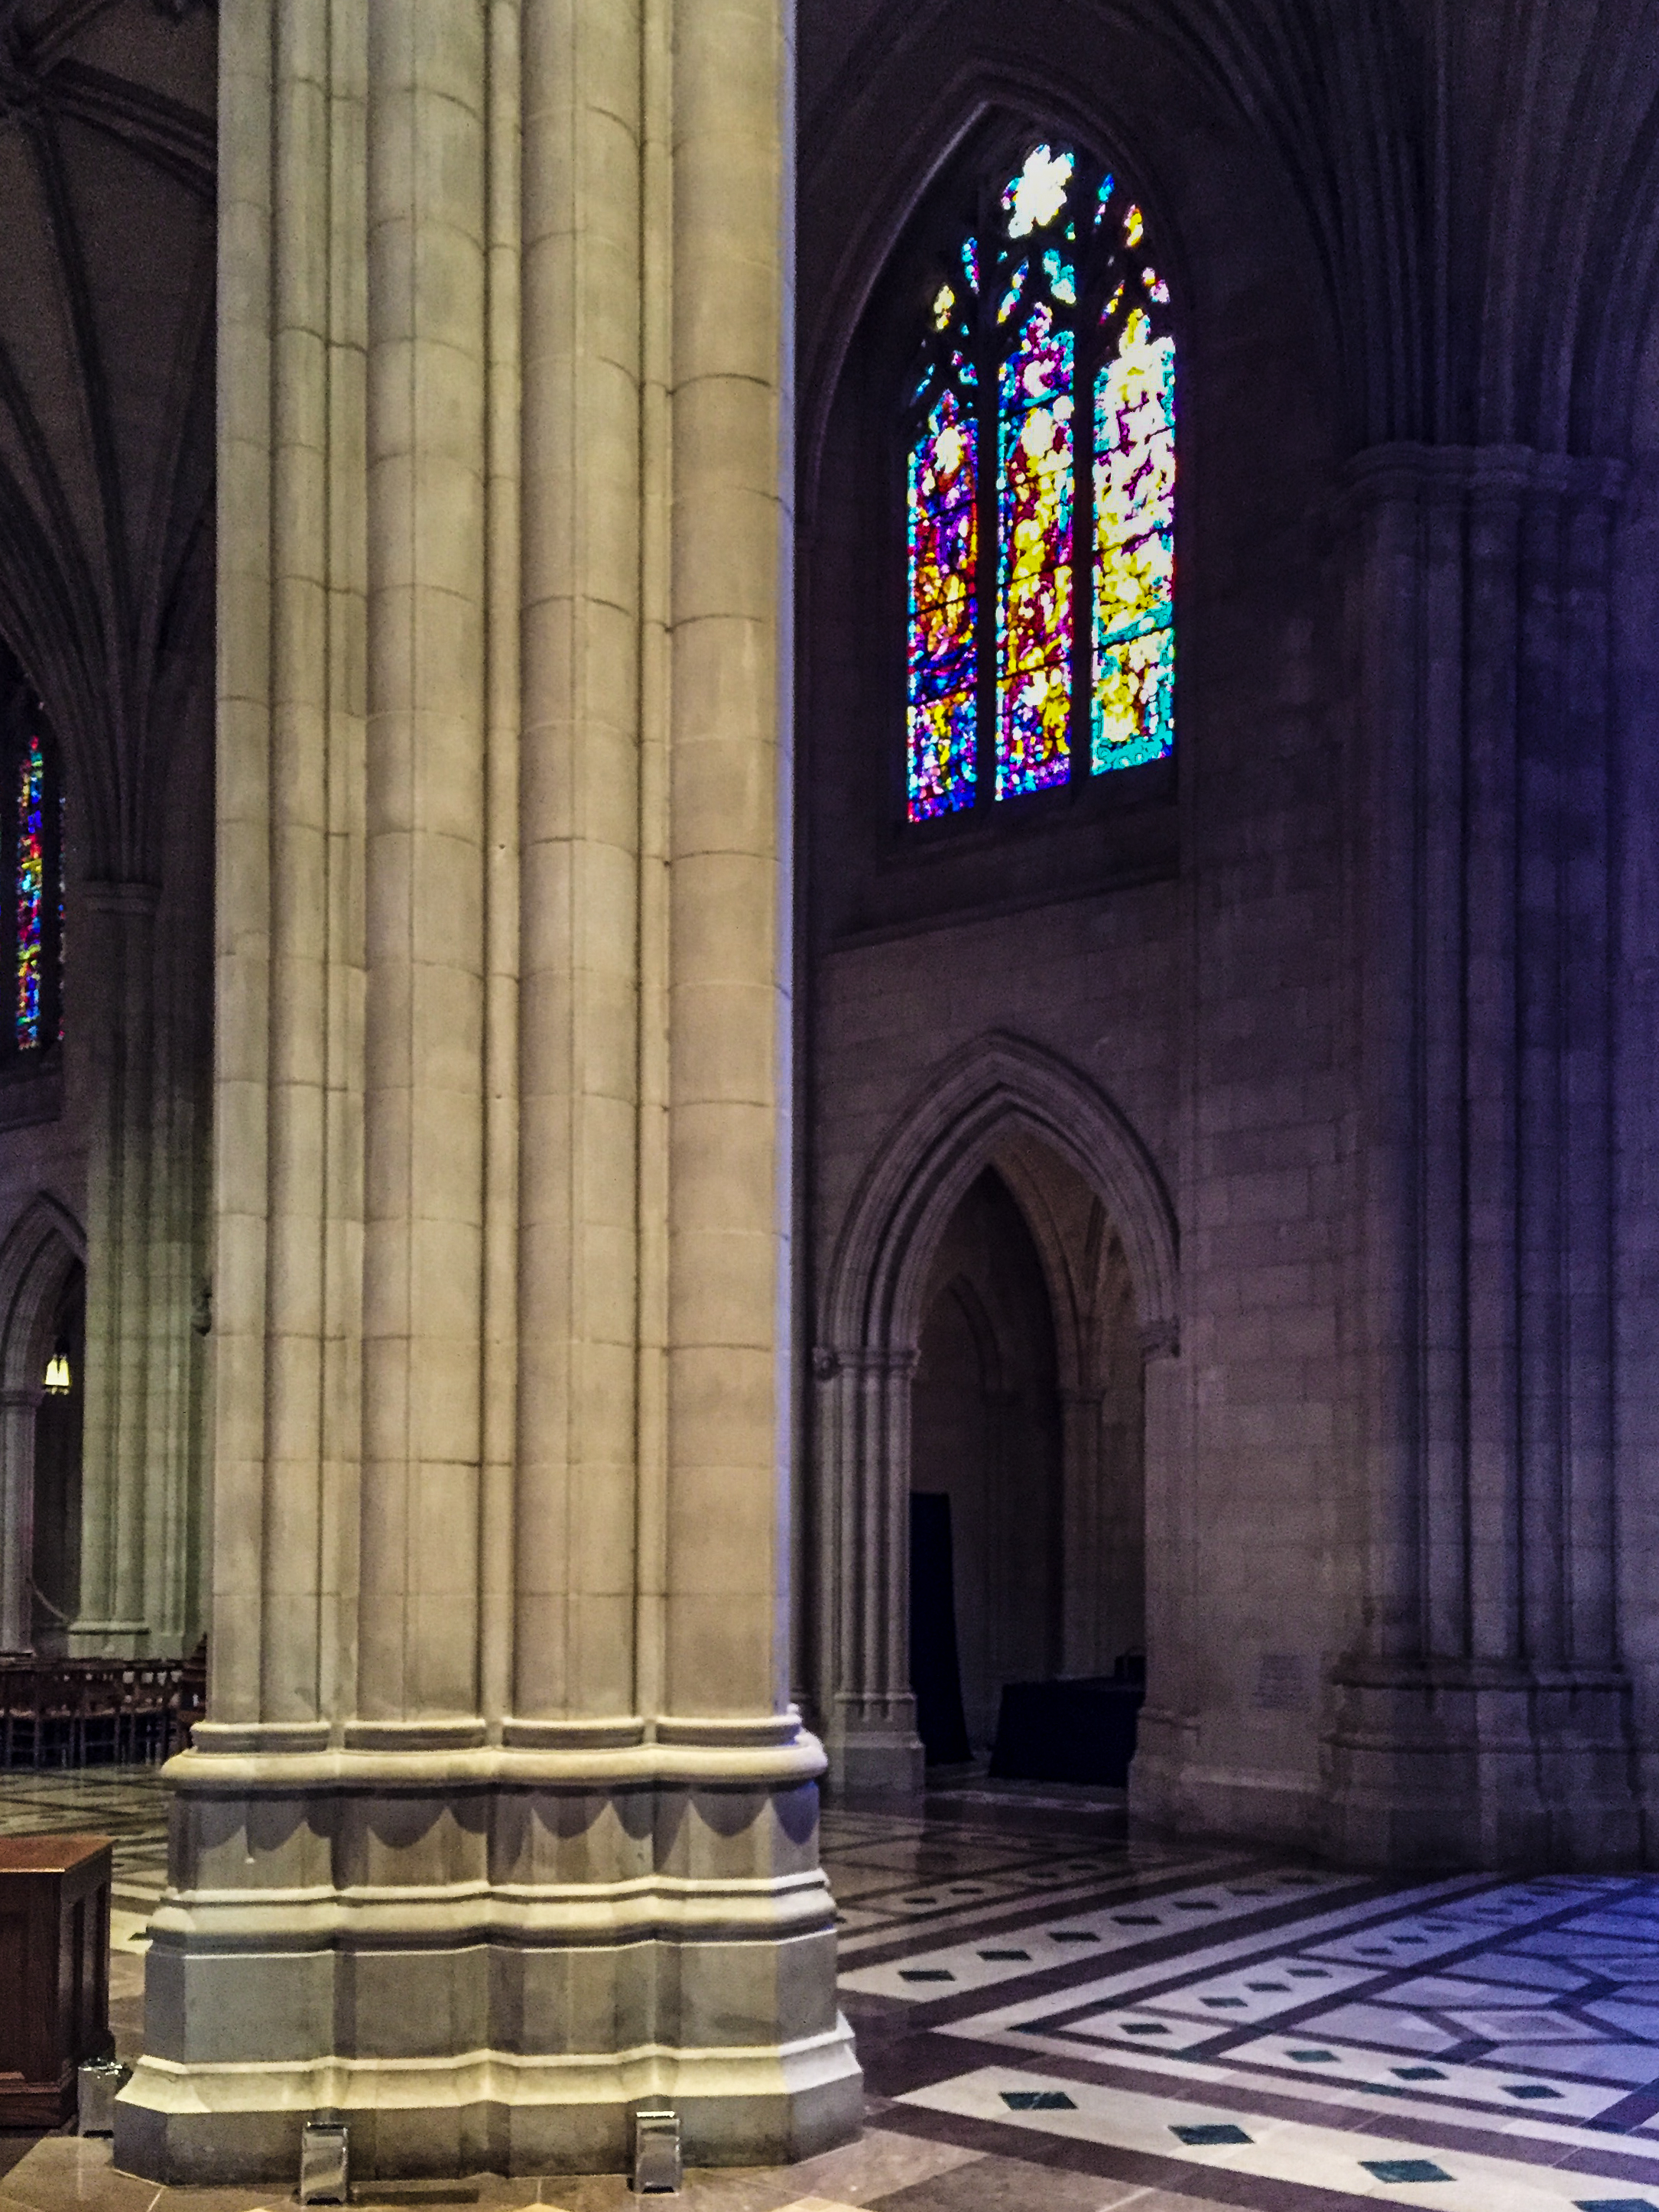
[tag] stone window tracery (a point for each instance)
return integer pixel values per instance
(1044, 393)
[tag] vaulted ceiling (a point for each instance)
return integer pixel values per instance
(1476, 182)
(107, 293)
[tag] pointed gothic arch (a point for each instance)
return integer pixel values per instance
(974, 1102)
(1001, 1094)
(36, 1261)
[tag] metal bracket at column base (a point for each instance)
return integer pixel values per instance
(491, 2112)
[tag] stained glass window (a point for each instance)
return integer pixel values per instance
(1048, 375)
(1034, 602)
(31, 889)
(943, 662)
(31, 848)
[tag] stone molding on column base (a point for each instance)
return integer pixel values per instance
(483, 1957)
(1165, 1743)
(491, 2111)
(463, 1735)
(874, 1749)
(1179, 1792)
(1459, 1765)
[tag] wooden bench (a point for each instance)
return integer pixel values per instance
(54, 1971)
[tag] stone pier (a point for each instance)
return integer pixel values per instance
(502, 1823)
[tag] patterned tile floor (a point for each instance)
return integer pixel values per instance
(127, 1803)
(1054, 2017)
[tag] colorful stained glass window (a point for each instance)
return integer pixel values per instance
(1133, 718)
(1048, 362)
(1034, 607)
(30, 890)
(944, 661)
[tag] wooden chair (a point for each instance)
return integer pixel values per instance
(73, 1711)
(78, 1712)
(151, 1701)
(96, 1720)
(19, 1714)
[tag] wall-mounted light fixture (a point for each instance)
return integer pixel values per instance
(57, 1368)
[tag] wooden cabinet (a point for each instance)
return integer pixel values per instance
(54, 1971)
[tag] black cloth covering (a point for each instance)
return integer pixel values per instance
(1082, 1731)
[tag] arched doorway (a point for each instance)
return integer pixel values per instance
(1009, 1259)
(42, 1304)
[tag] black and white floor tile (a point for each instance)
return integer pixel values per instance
(1055, 2017)
(1280, 2036)
(129, 1804)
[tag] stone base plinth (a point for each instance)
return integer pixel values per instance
(1431, 1769)
(1448, 1767)
(878, 1765)
(1181, 1782)
(1165, 1746)
(488, 2114)
(488, 1959)
(873, 1746)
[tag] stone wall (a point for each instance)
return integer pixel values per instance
(1350, 983)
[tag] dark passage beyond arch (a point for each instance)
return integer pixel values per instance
(986, 1448)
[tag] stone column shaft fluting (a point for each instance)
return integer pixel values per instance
(423, 909)
(1483, 1716)
(501, 1823)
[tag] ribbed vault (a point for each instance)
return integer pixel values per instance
(107, 291)
(1476, 186)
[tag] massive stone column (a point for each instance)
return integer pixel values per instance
(1484, 1716)
(502, 1824)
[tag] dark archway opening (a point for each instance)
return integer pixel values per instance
(986, 1450)
(56, 1571)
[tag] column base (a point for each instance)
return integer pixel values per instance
(486, 1959)
(1166, 1745)
(1183, 1785)
(874, 1749)
(1489, 1767)
(488, 2112)
(878, 1765)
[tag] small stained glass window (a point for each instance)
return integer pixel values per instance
(1033, 604)
(944, 661)
(31, 889)
(31, 821)
(1044, 403)
(1133, 709)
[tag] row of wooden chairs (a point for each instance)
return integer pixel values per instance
(95, 1712)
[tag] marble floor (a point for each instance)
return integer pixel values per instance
(1055, 2016)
